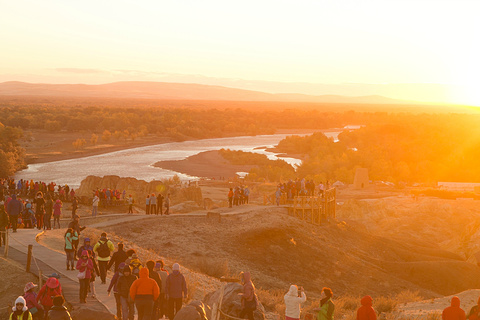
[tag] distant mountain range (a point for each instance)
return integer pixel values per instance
(175, 91)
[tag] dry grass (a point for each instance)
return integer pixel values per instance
(212, 267)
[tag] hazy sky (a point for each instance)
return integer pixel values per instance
(320, 42)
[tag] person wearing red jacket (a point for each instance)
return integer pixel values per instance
(144, 291)
(366, 312)
(454, 312)
(85, 269)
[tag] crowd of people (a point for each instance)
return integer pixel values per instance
(238, 196)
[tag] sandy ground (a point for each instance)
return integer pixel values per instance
(13, 281)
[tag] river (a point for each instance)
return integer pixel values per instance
(138, 162)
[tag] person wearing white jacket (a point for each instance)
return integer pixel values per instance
(293, 300)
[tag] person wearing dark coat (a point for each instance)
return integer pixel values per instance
(58, 311)
(14, 208)
(4, 223)
(118, 257)
(175, 290)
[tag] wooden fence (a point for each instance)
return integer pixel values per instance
(314, 209)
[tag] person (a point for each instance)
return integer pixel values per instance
(70, 236)
(246, 193)
(135, 264)
(118, 257)
(86, 246)
(14, 208)
(103, 249)
(144, 291)
(160, 204)
(94, 274)
(130, 202)
(123, 288)
(162, 301)
(230, 197)
(114, 285)
(58, 311)
(33, 306)
(95, 201)
(454, 312)
(48, 213)
(249, 297)
(293, 300)
(85, 268)
(366, 312)
(474, 313)
(167, 204)
(50, 289)
(4, 223)
(155, 276)
(39, 209)
(326, 308)
(74, 205)
(278, 195)
(75, 225)
(57, 211)
(175, 290)
(153, 204)
(28, 215)
(147, 204)
(20, 310)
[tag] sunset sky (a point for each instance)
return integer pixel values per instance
(424, 50)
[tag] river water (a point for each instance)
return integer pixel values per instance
(138, 162)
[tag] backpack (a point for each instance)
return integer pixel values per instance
(103, 250)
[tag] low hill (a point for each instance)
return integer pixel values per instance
(174, 91)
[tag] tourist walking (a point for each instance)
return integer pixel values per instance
(32, 304)
(74, 204)
(123, 287)
(155, 276)
(95, 202)
(167, 204)
(75, 225)
(113, 285)
(454, 312)
(144, 291)
(117, 258)
(4, 223)
(47, 220)
(103, 249)
(366, 312)
(293, 301)
(50, 289)
(58, 311)
(249, 297)
(39, 209)
(175, 290)
(163, 306)
(326, 308)
(70, 236)
(147, 204)
(14, 208)
(57, 211)
(85, 269)
(153, 204)
(130, 202)
(20, 310)
(160, 204)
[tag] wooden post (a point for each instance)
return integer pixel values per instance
(29, 257)
(5, 254)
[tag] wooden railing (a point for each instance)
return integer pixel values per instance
(314, 209)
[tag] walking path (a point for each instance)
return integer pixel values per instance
(49, 261)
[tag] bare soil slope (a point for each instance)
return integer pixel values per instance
(280, 250)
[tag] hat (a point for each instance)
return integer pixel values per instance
(52, 283)
(22, 301)
(54, 275)
(29, 286)
(134, 256)
(176, 266)
(86, 240)
(121, 265)
(158, 266)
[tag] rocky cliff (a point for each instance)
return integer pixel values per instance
(139, 188)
